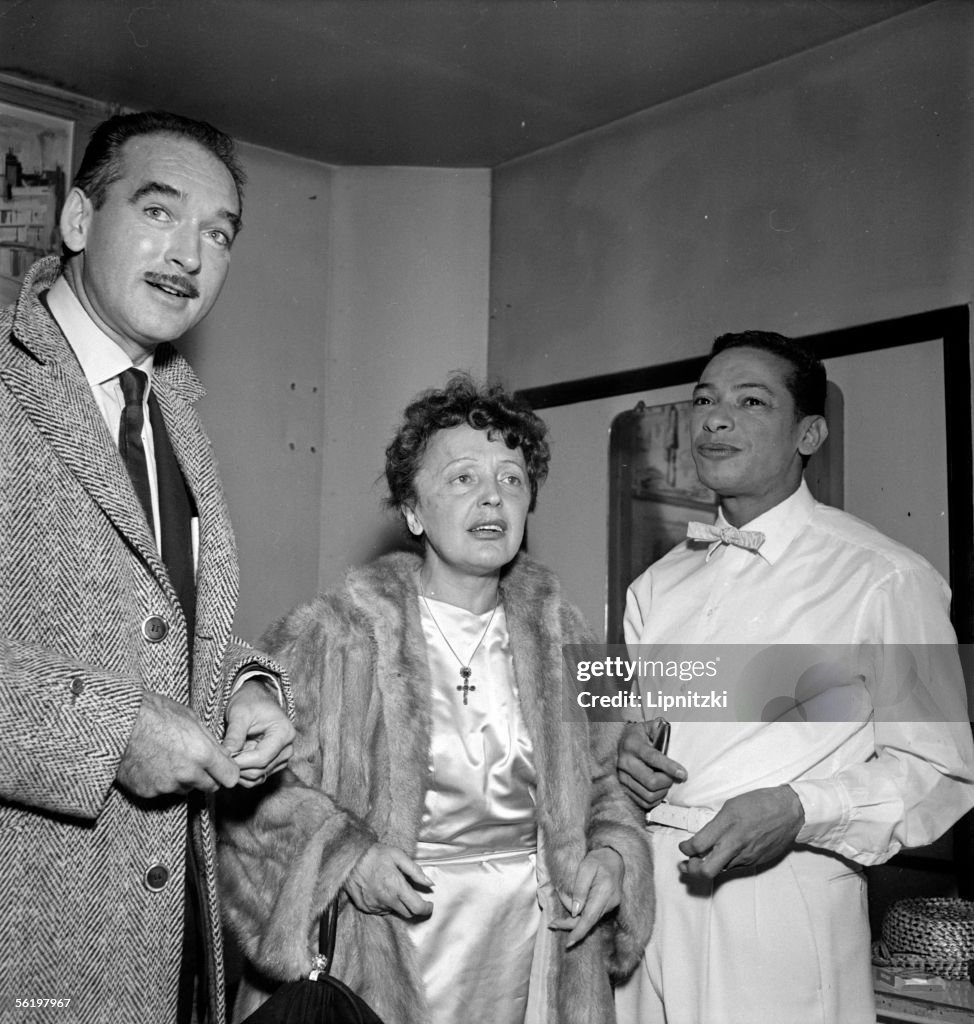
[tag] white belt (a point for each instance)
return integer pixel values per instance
(690, 819)
(473, 857)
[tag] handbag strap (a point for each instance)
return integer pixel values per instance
(327, 931)
(350, 1007)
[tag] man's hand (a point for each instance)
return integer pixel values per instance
(749, 830)
(597, 889)
(259, 733)
(383, 881)
(643, 770)
(169, 751)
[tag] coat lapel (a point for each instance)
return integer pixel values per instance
(39, 368)
(385, 594)
(217, 577)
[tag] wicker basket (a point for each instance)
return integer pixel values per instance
(935, 934)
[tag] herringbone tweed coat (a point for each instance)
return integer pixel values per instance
(79, 574)
(359, 774)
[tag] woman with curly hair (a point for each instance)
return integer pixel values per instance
(487, 864)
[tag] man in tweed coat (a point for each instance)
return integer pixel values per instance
(112, 708)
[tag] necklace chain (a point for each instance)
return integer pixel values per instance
(465, 671)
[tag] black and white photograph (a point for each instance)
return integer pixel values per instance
(371, 371)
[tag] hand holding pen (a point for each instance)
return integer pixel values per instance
(643, 765)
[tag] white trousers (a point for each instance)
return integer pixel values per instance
(785, 945)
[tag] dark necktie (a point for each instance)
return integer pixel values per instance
(130, 445)
(175, 502)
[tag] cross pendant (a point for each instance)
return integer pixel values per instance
(466, 685)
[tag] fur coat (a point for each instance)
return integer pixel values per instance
(359, 671)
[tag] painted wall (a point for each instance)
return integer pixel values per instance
(829, 189)
(261, 356)
(826, 190)
(408, 303)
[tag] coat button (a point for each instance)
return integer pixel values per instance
(155, 878)
(77, 686)
(155, 629)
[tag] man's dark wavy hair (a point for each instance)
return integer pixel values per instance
(102, 166)
(806, 380)
(483, 407)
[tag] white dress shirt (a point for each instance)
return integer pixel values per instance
(102, 360)
(821, 577)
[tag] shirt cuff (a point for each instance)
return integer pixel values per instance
(827, 811)
(261, 675)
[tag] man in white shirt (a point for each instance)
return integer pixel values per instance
(125, 701)
(759, 829)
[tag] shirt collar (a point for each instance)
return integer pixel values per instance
(100, 358)
(781, 524)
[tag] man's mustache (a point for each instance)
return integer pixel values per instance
(175, 281)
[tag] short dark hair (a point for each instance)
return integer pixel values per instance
(806, 380)
(101, 166)
(483, 407)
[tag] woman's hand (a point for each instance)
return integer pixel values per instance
(383, 880)
(597, 890)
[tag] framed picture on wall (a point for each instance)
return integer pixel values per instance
(37, 160)
(654, 492)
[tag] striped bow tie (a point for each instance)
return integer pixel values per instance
(749, 539)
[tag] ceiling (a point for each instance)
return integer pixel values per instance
(451, 83)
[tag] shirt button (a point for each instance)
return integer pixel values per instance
(77, 685)
(155, 878)
(154, 629)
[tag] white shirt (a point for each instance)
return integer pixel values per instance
(102, 360)
(821, 577)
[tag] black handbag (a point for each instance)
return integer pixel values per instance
(320, 998)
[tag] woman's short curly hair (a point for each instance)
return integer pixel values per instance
(483, 407)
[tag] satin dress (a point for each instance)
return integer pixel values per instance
(477, 839)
